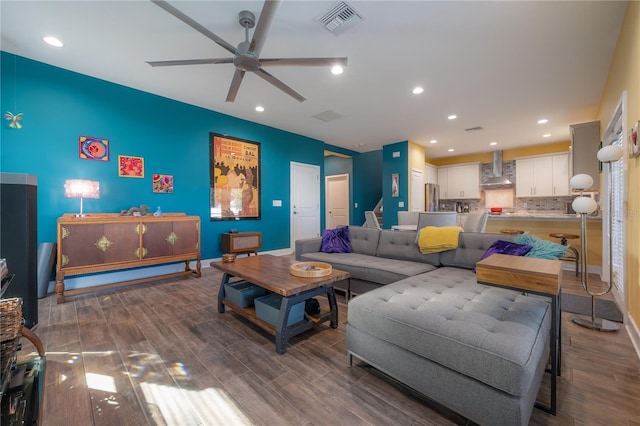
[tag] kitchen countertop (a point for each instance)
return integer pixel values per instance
(541, 216)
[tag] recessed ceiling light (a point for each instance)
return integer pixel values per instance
(452, 117)
(337, 69)
(493, 143)
(546, 135)
(451, 150)
(542, 121)
(53, 41)
(259, 108)
(433, 141)
(417, 90)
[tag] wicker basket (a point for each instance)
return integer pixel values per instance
(8, 356)
(310, 269)
(10, 318)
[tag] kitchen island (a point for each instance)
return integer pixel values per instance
(543, 224)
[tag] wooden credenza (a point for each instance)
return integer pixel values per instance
(109, 242)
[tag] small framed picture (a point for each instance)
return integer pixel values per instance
(129, 166)
(162, 184)
(395, 185)
(634, 149)
(90, 148)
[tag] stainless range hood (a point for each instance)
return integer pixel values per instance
(497, 178)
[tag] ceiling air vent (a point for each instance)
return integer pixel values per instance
(473, 129)
(327, 116)
(339, 18)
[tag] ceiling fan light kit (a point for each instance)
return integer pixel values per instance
(246, 57)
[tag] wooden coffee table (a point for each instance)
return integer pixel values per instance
(272, 273)
(530, 275)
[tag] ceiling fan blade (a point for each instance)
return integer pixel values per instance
(235, 85)
(303, 62)
(193, 24)
(191, 62)
(280, 85)
(267, 17)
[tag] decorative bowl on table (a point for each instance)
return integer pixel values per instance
(310, 269)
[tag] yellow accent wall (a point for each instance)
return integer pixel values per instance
(416, 161)
(624, 75)
(507, 154)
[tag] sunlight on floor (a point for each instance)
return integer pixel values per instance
(101, 382)
(192, 407)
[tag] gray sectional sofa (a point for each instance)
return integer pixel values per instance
(425, 321)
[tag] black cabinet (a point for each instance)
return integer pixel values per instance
(19, 239)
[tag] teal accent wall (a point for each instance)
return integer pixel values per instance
(392, 165)
(59, 106)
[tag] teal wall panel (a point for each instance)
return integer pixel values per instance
(391, 165)
(367, 184)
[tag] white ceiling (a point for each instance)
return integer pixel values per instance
(499, 65)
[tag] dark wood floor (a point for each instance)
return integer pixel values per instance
(161, 354)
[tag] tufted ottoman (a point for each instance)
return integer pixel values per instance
(479, 350)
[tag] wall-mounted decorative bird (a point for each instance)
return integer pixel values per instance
(14, 120)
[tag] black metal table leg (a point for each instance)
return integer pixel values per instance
(225, 280)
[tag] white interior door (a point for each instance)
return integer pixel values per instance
(336, 188)
(417, 191)
(305, 201)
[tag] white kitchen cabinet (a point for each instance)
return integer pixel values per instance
(430, 173)
(443, 179)
(545, 176)
(459, 182)
(561, 175)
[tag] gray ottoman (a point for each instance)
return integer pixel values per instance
(479, 350)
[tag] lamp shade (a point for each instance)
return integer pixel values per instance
(585, 205)
(78, 188)
(610, 153)
(581, 181)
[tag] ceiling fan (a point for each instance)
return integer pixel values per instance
(246, 57)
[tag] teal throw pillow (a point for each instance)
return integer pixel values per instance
(540, 248)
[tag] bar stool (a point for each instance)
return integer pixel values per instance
(574, 256)
(511, 231)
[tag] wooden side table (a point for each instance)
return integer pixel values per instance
(241, 242)
(531, 275)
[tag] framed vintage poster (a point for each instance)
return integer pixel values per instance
(235, 178)
(90, 148)
(129, 166)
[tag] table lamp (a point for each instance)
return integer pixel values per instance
(78, 188)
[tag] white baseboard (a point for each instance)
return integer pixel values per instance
(571, 266)
(633, 331)
(86, 281)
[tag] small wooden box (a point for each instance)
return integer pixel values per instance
(241, 242)
(519, 272)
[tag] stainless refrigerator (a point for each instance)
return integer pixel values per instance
(431, 197)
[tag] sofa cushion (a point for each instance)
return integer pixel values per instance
(401, 245)
(378, 270)
(471, 247)
(364, 240)
(336, 240)
(493, 335)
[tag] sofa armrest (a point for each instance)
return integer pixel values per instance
(307, 245)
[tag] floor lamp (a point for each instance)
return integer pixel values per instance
(584, 206)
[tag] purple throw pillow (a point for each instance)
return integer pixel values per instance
(336, 240)
(507, 247)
